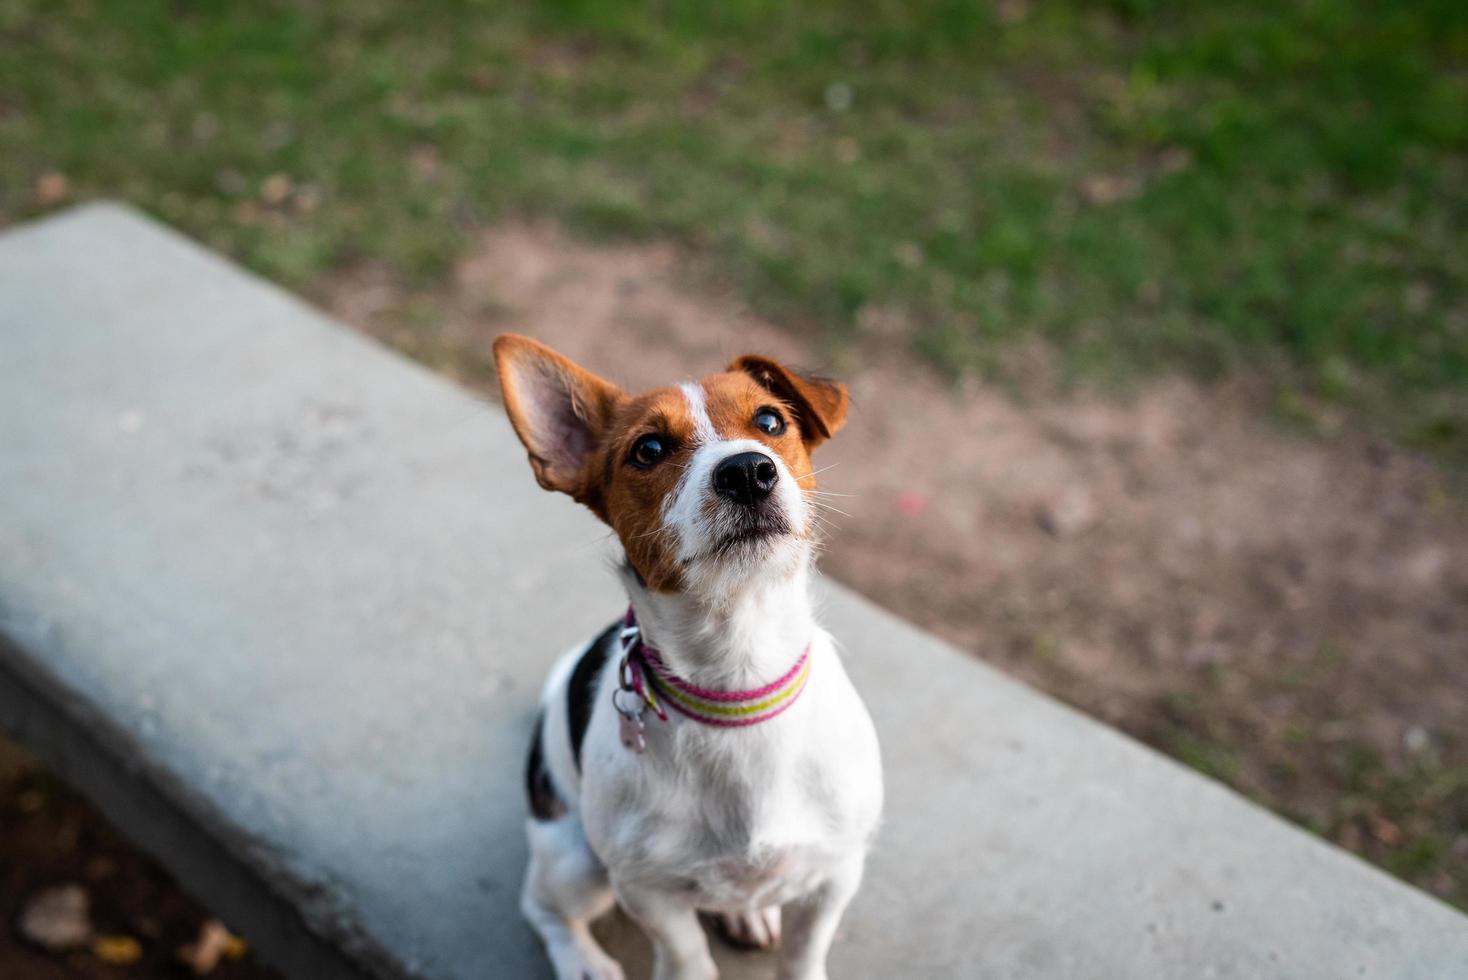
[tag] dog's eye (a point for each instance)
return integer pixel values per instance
(649, 451)
(769, 421)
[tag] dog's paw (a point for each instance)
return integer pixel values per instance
(754, 929)
(575, 963)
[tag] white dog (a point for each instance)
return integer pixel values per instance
(707, 752)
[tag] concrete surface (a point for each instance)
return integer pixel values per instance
(280, 601)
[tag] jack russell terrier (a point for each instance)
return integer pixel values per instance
(706, 753)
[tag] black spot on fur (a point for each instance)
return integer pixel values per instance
(581, 690)
(544, 803)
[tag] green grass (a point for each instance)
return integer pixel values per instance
(1408, 814)
(1144, 185)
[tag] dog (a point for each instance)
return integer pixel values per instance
(706, 754)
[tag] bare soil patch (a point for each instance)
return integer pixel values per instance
(1287, 614)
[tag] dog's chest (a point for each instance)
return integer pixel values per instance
(734, 855)
(732, 833)
(769, 876)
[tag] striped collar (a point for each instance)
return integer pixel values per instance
(644, 674)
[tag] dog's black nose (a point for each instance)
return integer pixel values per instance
(746, 478)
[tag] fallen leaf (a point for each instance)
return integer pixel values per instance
(1012, 11)
(276, 189)
(117, 950)
(58, 918)
(1108, 189)
(52, 188)
(215, 942)
(1385, 831)
(307, 198)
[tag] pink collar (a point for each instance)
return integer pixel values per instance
(644, 674)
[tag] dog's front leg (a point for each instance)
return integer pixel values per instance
(810, 923)
(680, 948)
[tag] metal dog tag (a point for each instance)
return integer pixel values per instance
(630, 728)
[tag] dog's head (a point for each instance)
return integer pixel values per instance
(706, 483)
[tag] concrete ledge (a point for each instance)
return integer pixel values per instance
(291, 920)
(280, 602)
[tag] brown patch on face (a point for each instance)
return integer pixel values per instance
(734, 398)
(819, 404)
(634, 496)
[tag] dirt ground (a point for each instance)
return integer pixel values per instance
(1287, 614)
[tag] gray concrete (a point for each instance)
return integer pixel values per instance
(281, 601)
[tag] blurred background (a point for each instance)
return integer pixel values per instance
(1156, 317)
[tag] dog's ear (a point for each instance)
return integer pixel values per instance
(559, 410)
(819, 403)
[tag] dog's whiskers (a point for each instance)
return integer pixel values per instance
(822, 505)
(818, 472)
(661, 528)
